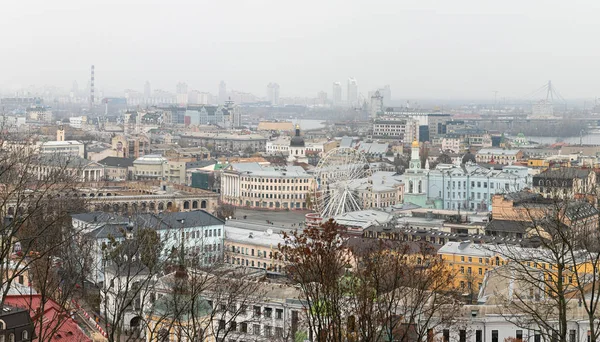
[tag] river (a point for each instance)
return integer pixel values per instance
(589, 139)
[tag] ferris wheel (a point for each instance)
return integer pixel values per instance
(338, 177)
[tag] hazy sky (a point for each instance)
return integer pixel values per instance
(447, 48)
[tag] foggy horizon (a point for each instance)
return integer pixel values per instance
(462, 49)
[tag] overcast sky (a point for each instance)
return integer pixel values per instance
(443, 49)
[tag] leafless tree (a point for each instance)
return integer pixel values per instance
(36, 235)
(551, 281)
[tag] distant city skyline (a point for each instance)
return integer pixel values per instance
(455, 49)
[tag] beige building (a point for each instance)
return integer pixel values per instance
(150, 167)
(117, 169)
(130, 146)
(275, 126)
(381, 190)
(253, 248)
(498, 156)
(255, 186)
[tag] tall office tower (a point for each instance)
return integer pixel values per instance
(75, 88)
(222, 93)
(322, 98)
(147, 91)
(352, 92)
(273, 93)
(92, 76)
(182, 93)
(387, 95)
(376, 105)
(337, 94)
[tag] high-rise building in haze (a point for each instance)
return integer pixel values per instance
(387, 95)
(376, 105)
(322, 98)
(147, 90)
(75, 88)
(273, 93)
(222, 93)
(352, 92)
(337, 94)
(182, 93)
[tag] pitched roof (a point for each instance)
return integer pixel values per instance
(65, 329)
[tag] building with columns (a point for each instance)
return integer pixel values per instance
(270, 187)
(83, 170)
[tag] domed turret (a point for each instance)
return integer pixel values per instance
(415, 143)
(297, 140)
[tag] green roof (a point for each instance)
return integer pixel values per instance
(172, 304)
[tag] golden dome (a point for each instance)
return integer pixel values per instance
(415, 143)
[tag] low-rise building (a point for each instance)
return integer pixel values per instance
(281, 145)
(69, 148)
(403, 129)
(201, 231)
(382, 189)
(499, 156)
(251, 246)
(565, 182)
(471, 187)
(117, 169)
(151, 167)
(223, 142)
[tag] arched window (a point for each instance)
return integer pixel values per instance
(11, 338)
(410, 186)
(2, 325)
(24, 335)
(420, 187)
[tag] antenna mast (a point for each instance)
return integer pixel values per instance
(92, 89)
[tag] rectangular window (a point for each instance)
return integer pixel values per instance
(256, 311)
(256, 329)
(279, 313)
(494, 335)
(278, 332)
(268, 331)
(537, 337)
(244, 327)
(572, 335)
(446, 336)
(462, 336)
(519, 335)
(268, 312)
(478, 336)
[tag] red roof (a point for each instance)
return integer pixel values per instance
(56, 319)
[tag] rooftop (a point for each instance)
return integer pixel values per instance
(117, 162)
(363, 218)
(267, 238)
(498, 151)
(257, 169)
